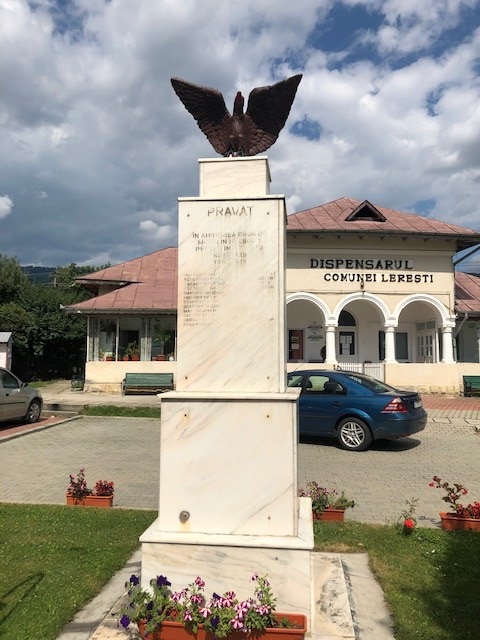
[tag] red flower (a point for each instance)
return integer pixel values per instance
(409, 523)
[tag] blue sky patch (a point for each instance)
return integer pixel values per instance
(423, 207)
(306, 128)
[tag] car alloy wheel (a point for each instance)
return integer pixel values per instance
(34, 410)
(353, 434)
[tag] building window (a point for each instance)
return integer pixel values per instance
(345, 319)
(163, 339)
(401, 346)
(107, 339)
(346, 341)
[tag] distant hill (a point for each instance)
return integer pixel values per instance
(42, 275)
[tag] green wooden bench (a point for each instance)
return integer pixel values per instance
(147, 383)
(471, 385)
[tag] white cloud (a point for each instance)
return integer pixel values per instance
(157, 232)
(90, 118)
(6, 206)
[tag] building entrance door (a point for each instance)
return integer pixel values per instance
(295, 344)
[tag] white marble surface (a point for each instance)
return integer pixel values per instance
(231, 300)
(303, 540)
(231, 464)
(227, 562)
(228, 454)
(230, 568)
(241, 177)
(332, 617)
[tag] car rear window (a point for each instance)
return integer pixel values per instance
(372, 383)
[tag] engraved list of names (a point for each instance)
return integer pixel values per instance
(229, 284)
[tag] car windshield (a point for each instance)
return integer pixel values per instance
(372, 383)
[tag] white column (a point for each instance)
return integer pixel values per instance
(390, 344)
(331, 357)
(447, 345)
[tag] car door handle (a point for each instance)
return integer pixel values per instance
(337, 403)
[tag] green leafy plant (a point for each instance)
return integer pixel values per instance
(162, 335)
(407, 521)
(78, 486)
(453, 493)
(132, 349)
(218, 614)
(323, 497)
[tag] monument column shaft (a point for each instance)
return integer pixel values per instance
(228, 496)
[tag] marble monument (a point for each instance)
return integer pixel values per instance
(229, 502)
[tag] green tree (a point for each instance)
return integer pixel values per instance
(65, 276)
(16, 319)
(47, 343)
(12, 280)
(57, 341)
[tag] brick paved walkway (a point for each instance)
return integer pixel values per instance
(126, 450)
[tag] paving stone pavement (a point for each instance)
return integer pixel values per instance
(126, 450)
(382, 479)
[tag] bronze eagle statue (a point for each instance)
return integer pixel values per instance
(239, 134)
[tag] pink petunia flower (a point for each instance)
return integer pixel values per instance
(237, 623)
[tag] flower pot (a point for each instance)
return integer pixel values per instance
(136, 357)
(109, 358)
(90, 501)
(452, 522)
(177, 631)
(330, 515)
(161, 357)
(126, 358)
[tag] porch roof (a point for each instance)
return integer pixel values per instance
(467, 293)
(148, 283)
(347, 215)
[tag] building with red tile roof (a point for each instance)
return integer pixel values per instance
(368, 288)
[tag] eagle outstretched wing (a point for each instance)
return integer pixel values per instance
(208, 108)
(239, 134)
(269, 108)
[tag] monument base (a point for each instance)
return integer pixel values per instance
(227, 562)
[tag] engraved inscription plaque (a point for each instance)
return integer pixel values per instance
(231, 295)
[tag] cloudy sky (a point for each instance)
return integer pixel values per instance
(95, 146)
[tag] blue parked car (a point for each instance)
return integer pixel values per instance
(355, 408)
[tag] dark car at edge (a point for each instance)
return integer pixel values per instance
(355, 408)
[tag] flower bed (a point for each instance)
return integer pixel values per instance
(464, 517)
(182, 615)
(79, 494)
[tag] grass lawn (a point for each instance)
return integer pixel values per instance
(54, 559)
(124, 412)
(431, 578)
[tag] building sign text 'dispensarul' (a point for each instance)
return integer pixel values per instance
(334, 267)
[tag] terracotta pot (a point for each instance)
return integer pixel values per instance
(161, 357)
(330, 515)
(176, 631)
(125, 358)
(90, 501)
(451, 522)
(136, 357)
(109, 358)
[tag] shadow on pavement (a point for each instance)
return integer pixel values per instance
(396, 446)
